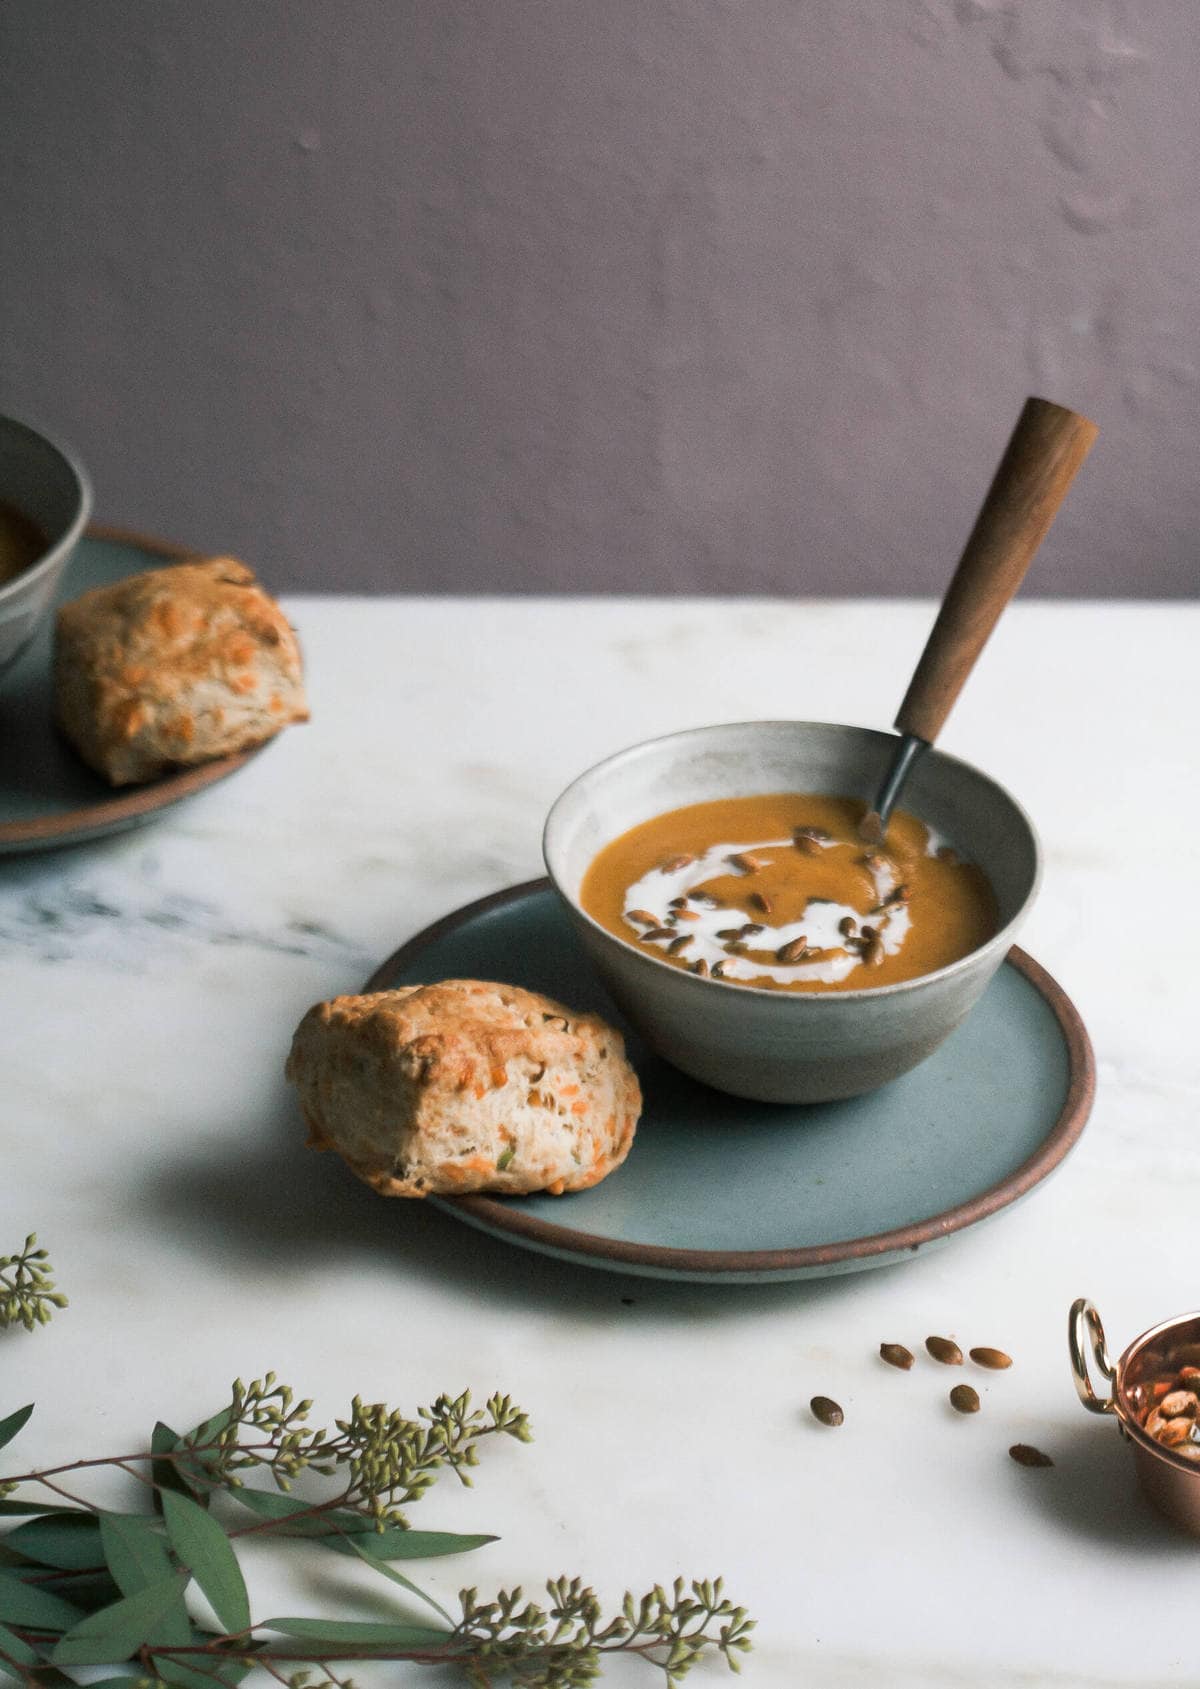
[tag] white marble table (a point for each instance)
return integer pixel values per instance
(150, 985)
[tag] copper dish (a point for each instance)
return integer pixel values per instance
(1171, 1481)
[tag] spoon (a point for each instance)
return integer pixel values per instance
(1042, 457)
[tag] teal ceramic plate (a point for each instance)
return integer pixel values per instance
(48, 797)
(720, 1189)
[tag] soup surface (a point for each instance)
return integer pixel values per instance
(22, 542)
(779, 892)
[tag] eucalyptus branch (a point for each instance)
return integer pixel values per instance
(84, 1586)
(27, 1293)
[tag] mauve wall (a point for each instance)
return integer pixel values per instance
(634, 295)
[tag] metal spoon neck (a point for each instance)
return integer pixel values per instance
(907, 754)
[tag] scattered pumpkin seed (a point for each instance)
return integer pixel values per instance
(826, 1410)
(946, 1351)
(1026, 1455)
(793, 950)
(963, 1399)
(994, 1359)
(674, 863)
(895, 1354)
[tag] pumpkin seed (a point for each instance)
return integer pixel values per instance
(674, 863)
(793, 950)
(895, 1354)
(642, 916)
(746, 862)
(826, 1410)
(963, 1399)
(680, 943)
(1026, 1455)
(994, 1359)
(946, 1351)
(658, 932)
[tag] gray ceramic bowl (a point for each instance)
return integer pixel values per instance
(789, 1046)
(47, 484)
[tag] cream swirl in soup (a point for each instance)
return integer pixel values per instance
(779, 892)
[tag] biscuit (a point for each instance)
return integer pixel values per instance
(465, 1086)
(174, 667)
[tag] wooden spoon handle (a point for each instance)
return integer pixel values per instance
(1046, 449)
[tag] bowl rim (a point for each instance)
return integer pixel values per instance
(74, 531)
(1000, 940)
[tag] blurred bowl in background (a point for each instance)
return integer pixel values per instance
(44, 488)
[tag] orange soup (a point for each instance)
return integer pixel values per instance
(779, 892)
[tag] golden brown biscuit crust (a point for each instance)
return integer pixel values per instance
(462, 1086)
(174, 667)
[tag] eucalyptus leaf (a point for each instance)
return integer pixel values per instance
(134, 1551)
(176, 1671)
(69, 1543)
(16, 1648)
(116, 1633)
(408, 1545)
(10, 1509)
(210, 1429)
(89, 1591)
(10, 1426)
(340, 1633)
(165, 1473)
(270, 1505)
(208, 1554)
(25, 1604)
(387, 1571)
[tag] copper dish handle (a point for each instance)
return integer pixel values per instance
(1083, 1328)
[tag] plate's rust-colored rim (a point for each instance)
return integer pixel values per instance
(81, 823)
(498, 1216)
